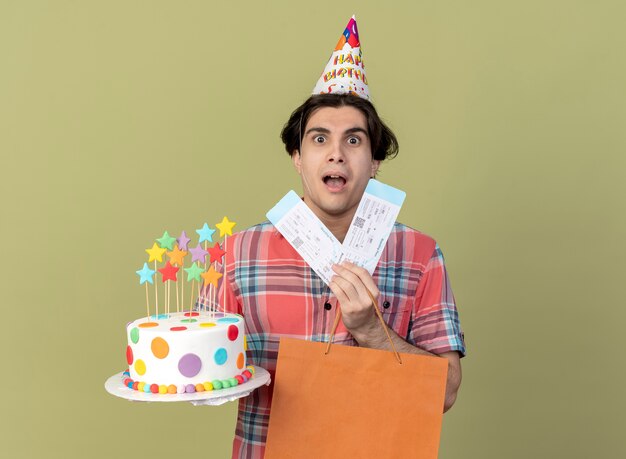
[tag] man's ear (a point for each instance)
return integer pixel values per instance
(375, 166)
(295, 157)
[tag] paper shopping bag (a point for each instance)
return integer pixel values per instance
(354, 403)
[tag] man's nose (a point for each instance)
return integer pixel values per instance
(335, 155)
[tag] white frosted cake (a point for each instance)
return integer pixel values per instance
(186, 352)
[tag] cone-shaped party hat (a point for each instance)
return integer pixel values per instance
(345, 72)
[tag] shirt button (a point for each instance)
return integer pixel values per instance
(386, 304)
(328, 306)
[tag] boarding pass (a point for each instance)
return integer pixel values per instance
(366, 237)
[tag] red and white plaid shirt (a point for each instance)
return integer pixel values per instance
(278, 294)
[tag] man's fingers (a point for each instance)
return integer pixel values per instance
(360, 278)
(339, 293)
(348, 289)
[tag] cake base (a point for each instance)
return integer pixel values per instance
(115, 386)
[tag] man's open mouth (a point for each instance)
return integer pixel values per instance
(334, 182)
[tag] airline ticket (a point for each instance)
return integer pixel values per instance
(366, 237)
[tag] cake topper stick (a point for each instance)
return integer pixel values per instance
(213, 294)
(193, 275)
(147, 306)
(166, 242)
(226, 229)
(156, 294)
(205, 235)
(183, 244)
(210, 297)
(156, 253)
(224, 279)
(176, 293)
(191, 297)
(145, 276)
(217, 254)
(210, 278)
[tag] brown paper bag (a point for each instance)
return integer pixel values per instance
(354, 402)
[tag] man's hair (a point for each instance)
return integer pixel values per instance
(383, 141)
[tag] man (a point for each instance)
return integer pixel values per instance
(336, 143)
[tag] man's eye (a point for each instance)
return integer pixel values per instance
(354, 140)
(320, 139)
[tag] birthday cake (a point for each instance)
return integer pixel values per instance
(185, 352)
(197, 347)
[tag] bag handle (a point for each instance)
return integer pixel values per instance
(380, 317)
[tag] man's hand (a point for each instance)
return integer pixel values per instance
(350, 286)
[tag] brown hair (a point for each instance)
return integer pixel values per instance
(383, 141)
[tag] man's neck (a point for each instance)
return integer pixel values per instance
(337, 225)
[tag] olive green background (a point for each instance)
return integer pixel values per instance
(122, 119)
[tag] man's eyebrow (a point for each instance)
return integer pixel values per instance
(327, 131)
(356, 129)
(317, 129)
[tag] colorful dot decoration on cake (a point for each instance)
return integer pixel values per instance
(233, 332)
(189, 365)
(134, 335)
(240, 360)
(206, 386)
(220, 356)
(227, 320)
(140, 367)
(160, 348)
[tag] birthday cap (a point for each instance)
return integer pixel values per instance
(345, 72)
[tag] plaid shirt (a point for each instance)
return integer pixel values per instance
(280, 295)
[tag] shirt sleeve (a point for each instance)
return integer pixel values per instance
(435, 323)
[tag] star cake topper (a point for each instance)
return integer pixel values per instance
(211, 276)
(225, 227)
(166, 241)
(205, 233)
(155, 253)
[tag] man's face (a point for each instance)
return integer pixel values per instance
(336, 162)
